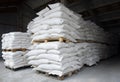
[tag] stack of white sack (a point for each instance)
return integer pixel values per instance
(15, 59)
(16, 41)
(54, 57)
(59, 58)
(59, 21)
(93, 32)
(91, 53)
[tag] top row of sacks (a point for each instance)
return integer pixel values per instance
(58, 21)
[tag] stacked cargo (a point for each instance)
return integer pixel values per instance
(56, 58)
(53, 50)
(91, 53)
(14, 47)
(64, 42)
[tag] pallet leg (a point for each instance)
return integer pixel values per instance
(46, 74)
(67, 41)
(13, 50)
(46, 41)
(24, 50)
(70, 74)
(61, 39)
(76, 71)
(61, 77)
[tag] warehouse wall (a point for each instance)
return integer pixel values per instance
(8, 23)
(16, 21)
(114, 30)
(25, 15)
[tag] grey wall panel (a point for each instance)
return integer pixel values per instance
(8, 18)
(26, 14)
(81, 5)
(36, 3)
(8, 23)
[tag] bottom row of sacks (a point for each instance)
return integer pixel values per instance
(59, 58)
(15, 60)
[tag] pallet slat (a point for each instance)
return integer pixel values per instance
(61, 39)
(16, 69)
(69, 74)
(14, 50)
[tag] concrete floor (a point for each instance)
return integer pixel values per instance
(106, 71)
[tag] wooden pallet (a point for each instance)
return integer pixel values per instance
(69, 74)
(14, 50)
(32, 33)
(90, 41)
(16, 69)
(61, 39)
(33, 66)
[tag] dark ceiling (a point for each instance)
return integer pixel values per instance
(9, 5)
(9, 2)
(105, 13)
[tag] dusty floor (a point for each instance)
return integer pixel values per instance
(105, 71)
